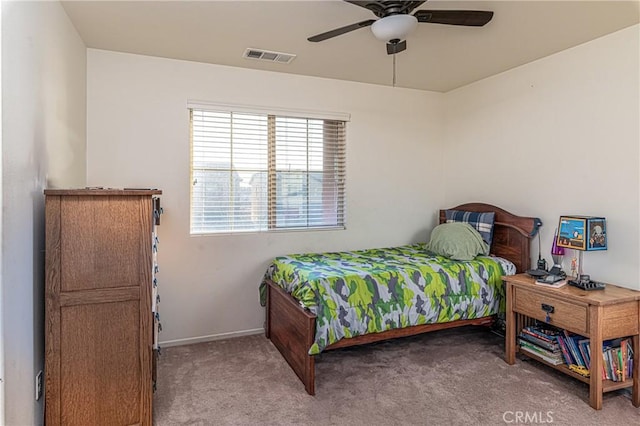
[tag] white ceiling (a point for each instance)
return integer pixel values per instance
(438, 57)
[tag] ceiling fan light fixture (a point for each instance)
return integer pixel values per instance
(394, 27)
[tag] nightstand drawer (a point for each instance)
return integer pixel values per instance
(564, 315)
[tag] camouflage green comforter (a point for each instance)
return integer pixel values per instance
(368, 291)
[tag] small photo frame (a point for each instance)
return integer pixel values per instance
(597, 234)
(582, 233)
(571, 233)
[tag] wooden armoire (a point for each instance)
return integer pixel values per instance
(100, 306)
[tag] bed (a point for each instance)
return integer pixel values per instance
(429, 292)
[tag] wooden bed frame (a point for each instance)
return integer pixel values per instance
(292, 328)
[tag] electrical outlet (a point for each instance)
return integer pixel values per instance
(39, 385)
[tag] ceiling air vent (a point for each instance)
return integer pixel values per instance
(269, 56)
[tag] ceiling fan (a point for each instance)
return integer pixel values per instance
(396, 22)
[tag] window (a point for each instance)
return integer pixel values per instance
(256, 171)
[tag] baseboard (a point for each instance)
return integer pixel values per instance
(210, 338)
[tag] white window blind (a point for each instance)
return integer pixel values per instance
(261, 172)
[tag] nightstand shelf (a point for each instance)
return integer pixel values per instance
(607, 385)
(598, 315)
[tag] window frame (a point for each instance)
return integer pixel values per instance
(271, 115)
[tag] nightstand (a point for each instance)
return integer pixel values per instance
(599, 315)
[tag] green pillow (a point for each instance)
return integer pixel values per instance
(457, 240)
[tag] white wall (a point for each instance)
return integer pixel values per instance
(43, 144)
(557, 136)
(138, 133)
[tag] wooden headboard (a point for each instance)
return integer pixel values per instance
(511, 234)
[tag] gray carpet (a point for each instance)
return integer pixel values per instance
(449, 377)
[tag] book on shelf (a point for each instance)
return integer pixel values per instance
(550, 357)
(628, 354)
(618, 361)
(553, 339)
(558, 346)
(571, 340)
(583, 345)
(538, 340)
(620, 364)
(609, 373)
(542, 343)
(544, 331)
(565, 352)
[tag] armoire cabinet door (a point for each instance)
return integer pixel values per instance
(98, 331)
